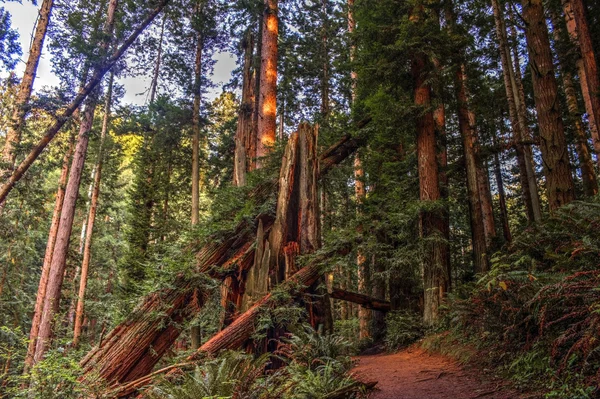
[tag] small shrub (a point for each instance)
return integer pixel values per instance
(403, 329)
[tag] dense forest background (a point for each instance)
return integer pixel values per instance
(379, 171)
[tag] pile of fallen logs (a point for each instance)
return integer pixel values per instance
(256, 260)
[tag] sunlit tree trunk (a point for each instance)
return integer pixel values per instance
(87, 246)
(559, 182)
(267, 96)
(13, 135)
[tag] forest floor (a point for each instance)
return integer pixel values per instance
(414, 373)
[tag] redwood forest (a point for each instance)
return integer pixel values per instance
(299, 199)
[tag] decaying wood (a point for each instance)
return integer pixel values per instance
(364, 300)
(133, 348)
(287, 183)
(237, 333)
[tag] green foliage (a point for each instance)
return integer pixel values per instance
(403, 328)
(538, 309)
(9, 43)
(231, 375)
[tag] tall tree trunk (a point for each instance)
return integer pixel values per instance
(65, 115)
(434, 280)
(87, 247)
(588, 174)
(13, 134)
(59, 256)
(519, 127)
(195, 330)
(471, 150)
(489, 224)
(156, 74)
(559, 182)
(243, 134)
(325, 109)
(501, 194)
(577, 26)
(267, 96)
(364, 278)
(526, 135)
(41, 293)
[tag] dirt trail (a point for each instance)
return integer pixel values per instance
(416, 374)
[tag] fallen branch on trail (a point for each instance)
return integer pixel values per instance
(364, 300)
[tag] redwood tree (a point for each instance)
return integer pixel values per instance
(559, 181)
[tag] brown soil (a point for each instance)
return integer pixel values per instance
(416, 374)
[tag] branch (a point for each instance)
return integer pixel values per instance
(75, 103)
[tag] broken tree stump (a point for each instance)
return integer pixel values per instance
(135, 346)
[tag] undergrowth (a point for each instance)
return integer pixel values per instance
(536, 315)
(314, 366)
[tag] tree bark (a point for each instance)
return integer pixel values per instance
(559, 182)
(41, 293)
(577, 26)
(87, 247)
(526, 135)
(363, 300)
(530, 196)
(65, 115)
(588, 174)
(127, 352)
(13, 134)
(59, 256)
(267, 101)
(471, 151)
(244, 134)
(434, 276)
(156, 73)
(501, 195)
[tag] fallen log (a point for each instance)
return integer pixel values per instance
(135, 346)
(238, 332)
(364, 300)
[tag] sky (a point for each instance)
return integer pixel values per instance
(23, 20)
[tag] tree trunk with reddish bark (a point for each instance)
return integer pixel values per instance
(132, 349)
(435, 281)
(267, 95)
(577, 26)
(559, 181)
(13, 134)
(41, 293)
(87, 246)
(588, 174)
(59, 255)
